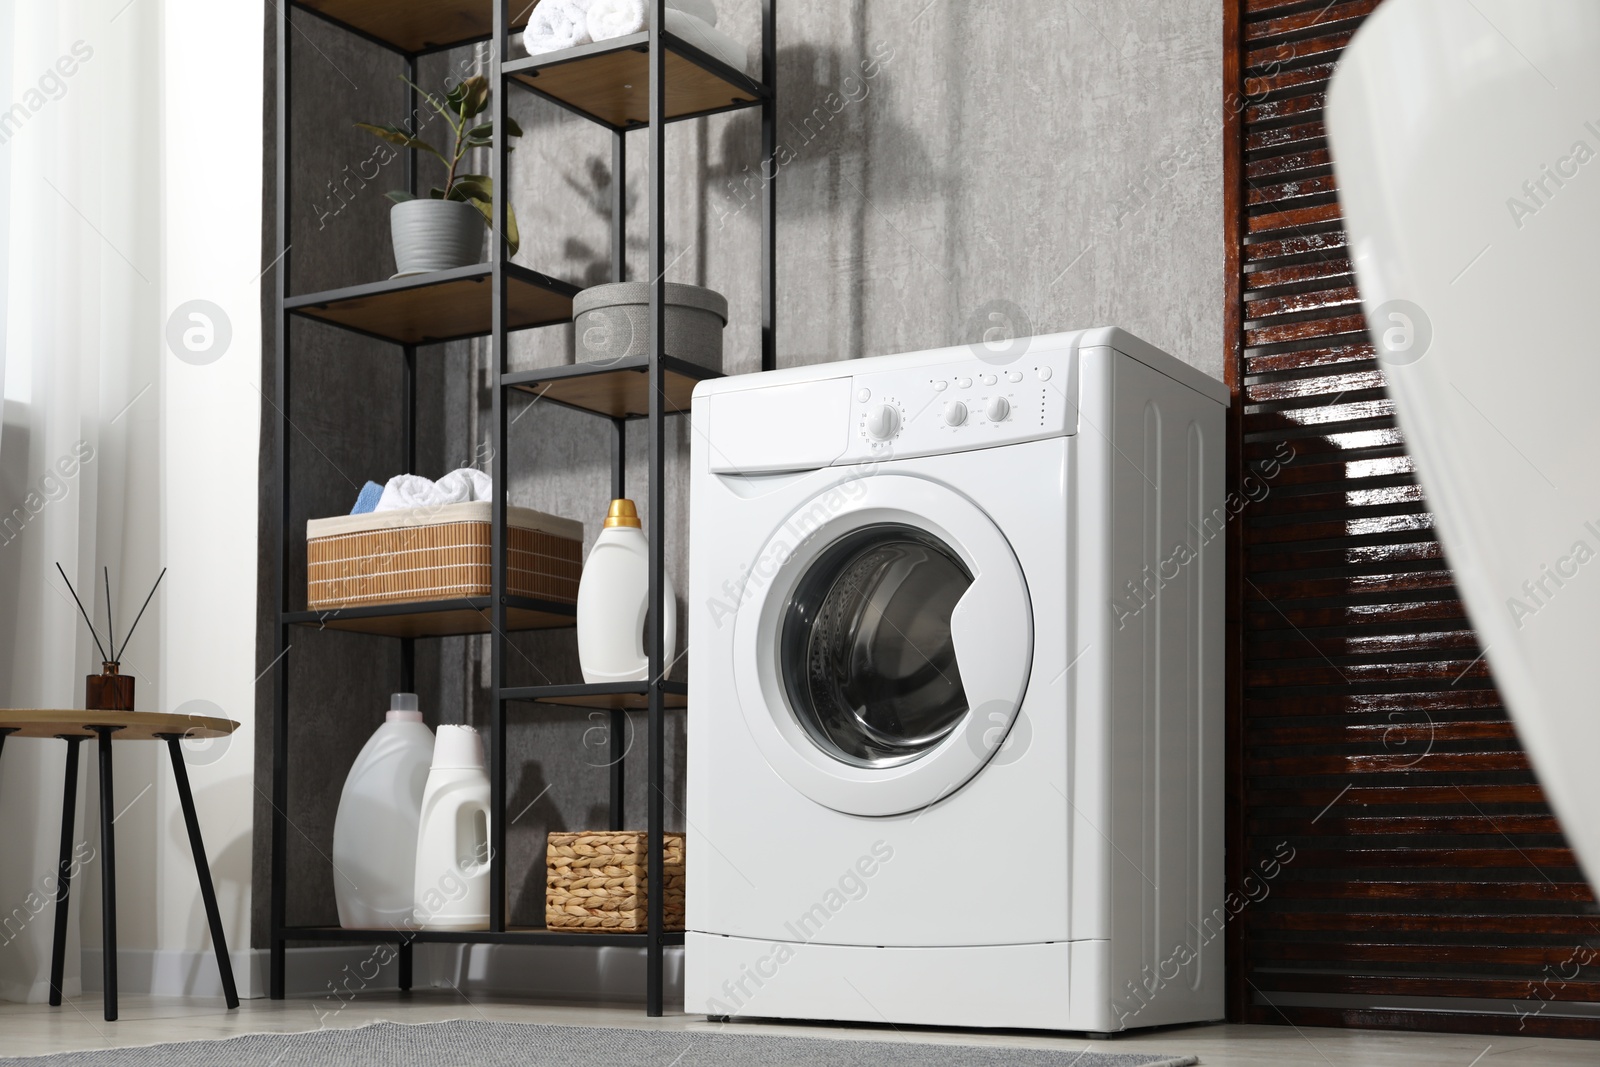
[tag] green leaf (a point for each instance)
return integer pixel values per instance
(436, 193)
(474, 96)
(467, 189)
(483, 132)
(486, 209)
(395, 135)
(400, 196)
(512, 129)
(485, 182)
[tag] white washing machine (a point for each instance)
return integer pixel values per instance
(956, 740)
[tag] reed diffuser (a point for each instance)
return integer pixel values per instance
(110, 690)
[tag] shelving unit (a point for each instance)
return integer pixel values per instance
(639, 82)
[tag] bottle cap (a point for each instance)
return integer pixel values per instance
(403, 708)
(457, 747)
(623, 513)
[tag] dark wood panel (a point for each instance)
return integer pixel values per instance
(1396, 730)
(1518, 1021)
(1344, 297)
(1453, 672)
(1339, 826)
(1296, 219)
(1326, 271)
(1430, 986)
(1471, 794)
(1537, 890)
(1374, 925)
(1362, 720)
(1284, 194)
(1298, 52)
(1305, 244)
(1355, 502)
(1306, 331)
(1330, 16)
(1535, 956)
(1275, 617)
(1259, 86)
(1435, 762)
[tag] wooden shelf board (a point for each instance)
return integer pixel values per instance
(445, 306)
(416, 25)
(611, 83)
(620, 393)
(446, 618)
(131, 725)
(512, 935)
(615, 701)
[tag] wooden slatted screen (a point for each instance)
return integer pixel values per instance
(1394, 860)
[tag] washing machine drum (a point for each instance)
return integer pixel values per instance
(888, 657)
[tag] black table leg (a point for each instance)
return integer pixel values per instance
(108, 871)
(202, 869)
(69, 811)
(405, 966)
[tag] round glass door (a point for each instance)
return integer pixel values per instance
(866, 656)
(869, 664)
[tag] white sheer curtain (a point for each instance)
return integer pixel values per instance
(80, 306)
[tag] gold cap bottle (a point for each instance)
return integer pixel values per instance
(623, 513)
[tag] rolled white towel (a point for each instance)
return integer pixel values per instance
(476, 484)
(557, 24)
(415, 491)
(618, 18)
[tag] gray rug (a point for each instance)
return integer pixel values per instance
(471, 1043)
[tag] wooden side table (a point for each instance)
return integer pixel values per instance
(74, 726)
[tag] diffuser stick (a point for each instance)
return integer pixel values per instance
(129, 635)
(85, 614)
(111, 617)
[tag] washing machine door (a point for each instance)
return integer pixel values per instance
(886, 657)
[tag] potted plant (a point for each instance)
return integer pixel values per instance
(444, 229)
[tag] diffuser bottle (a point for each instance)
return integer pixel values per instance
(451, 888)
(614, 602)
(375, 830)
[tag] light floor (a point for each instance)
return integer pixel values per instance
(36, 1029)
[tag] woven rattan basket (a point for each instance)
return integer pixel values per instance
(597, 880)
(438, 553)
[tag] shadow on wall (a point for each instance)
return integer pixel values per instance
(832, 110)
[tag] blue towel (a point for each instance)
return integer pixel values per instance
(368, 500)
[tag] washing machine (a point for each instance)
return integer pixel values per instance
(955, 729)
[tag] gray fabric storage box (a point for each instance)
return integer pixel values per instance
(612, 323)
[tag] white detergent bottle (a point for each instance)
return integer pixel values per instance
(451, 887)
(375, 830)
(614, 602)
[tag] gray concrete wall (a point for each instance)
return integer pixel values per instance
(1055, 165)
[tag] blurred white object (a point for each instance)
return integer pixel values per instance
(1466, 140)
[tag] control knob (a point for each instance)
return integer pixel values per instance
(997, 408)
(884, 422)
(955, 413)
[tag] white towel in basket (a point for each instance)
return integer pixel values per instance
(414, 491)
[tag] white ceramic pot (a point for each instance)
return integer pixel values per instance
(435, 235)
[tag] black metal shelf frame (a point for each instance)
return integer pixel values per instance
(653, 695)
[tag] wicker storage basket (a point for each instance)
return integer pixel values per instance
(597, 880)
(438, 553)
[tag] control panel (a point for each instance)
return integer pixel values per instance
(953, 407)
